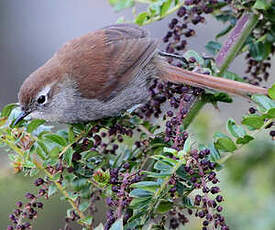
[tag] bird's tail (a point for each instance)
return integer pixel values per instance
(178, 75)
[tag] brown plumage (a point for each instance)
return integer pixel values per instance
(106, 67)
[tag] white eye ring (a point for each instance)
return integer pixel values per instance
(42, 99)
(42, 96)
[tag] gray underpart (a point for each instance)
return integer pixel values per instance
(68, 106)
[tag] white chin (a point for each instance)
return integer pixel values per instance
(43, 116)
(36, 115)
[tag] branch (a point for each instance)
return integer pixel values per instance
(39, 166)
(235, 41)
(228, 52)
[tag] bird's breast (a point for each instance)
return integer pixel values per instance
(135, 92)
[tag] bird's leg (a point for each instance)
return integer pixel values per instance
(165, 54)
(206, 57)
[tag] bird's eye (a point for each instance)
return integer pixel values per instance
(41, 100)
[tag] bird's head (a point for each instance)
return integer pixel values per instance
(38, 94)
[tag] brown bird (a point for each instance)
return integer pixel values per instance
(104, 72)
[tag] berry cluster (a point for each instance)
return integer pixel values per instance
(181, 27)
(177, 218)
(107, 142)
(29, 210)
(202, 176)
(178, 96)
(258, 70)
(120, 200)
(180, 99)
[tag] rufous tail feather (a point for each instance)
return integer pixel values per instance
(178, 75)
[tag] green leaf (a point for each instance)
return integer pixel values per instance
(13, 157)
(187, 145)
(156, 175)
(79, 184)
(261, 5)
(222, 97)
(271, 92)
(181, 187)
(162, 167)
(244, 140)
(72, 196)
(150, 186)
(71, 136)
(232, 76)
(118, 225)
(165, 7)
(34, 172)
(41, 151)
(164, 206)
(52, 189)
(84, 205)
(235, 130)
(214, 153)
(154, 8)
(113, 2)
(270, 113)
(187, 202)
(165, 160)
(191, 53)
(213, 47)
(34, 124)
(224, 143)
(56, 139)
(140, 193)
(225, 30)
(254, 121)
(225, 17)
(54, 153)
(121, 4)
(6, 111)
(259, 50)
(170, 150)
(264, 102)
(141, 18)
(68, 155)
(139, 203)
(28, 164)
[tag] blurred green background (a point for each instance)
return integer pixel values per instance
(30, 32)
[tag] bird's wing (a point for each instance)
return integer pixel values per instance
(105, 61)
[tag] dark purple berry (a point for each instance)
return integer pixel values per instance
(38, 182)
(215, 189)
(29, 196)
(219, 198)
(19, 204)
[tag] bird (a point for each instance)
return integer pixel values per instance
(104, 72)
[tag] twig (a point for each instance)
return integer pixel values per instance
(78, 138)
(254, 134)
(146, 131)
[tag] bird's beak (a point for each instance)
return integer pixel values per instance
(20, 117)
